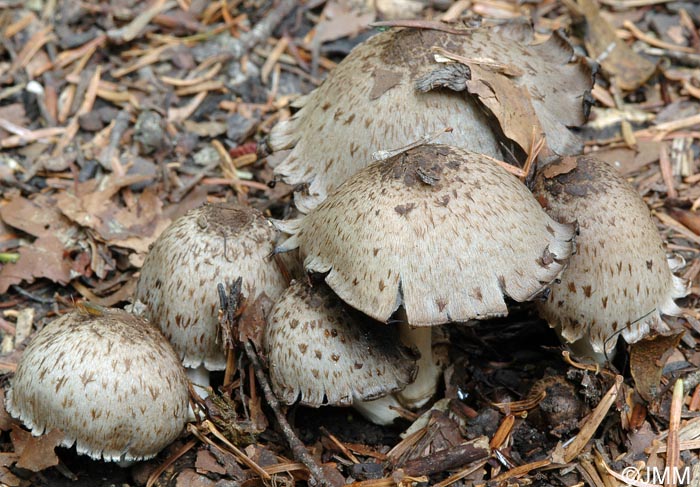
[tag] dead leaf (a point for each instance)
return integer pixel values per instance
(38, 216)
(252, 322)
(647, 360)
(206, 462)
(384, 80)
(564, 166)
(627, 160)
(43, 258)
(629, 69)
(36, 453)
(341, 21)
(190, 478)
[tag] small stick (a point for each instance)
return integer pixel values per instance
(342, 447)
(298, 449)
(673, 440)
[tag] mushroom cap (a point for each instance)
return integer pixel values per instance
(619, 280)
(318, 347)
(369, 102)
(110, 382)
(442, 231)
(215, 243)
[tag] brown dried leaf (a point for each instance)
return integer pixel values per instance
(190, 478)
(43, 258)
(384, 80)
(36, 453)
(206, 462)
(628, 68)
(566, 165)
(627, 160)
(38, 216)
(647, 359)
(341, 21)
(511, 104)
(252, 322)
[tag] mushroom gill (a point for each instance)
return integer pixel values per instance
(619, 281)
(371, 101)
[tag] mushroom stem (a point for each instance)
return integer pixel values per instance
(379, 411)
(419, 392)
(199, 377)
(583, 349)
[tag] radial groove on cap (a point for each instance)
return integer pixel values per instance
(445, 232)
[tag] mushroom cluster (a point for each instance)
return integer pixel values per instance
(427, 237)
(107, 379)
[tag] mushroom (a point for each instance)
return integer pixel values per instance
(210, 244)
(439, 231)
(321, 351)
(619, 282)
(370, 101)
(107, 379)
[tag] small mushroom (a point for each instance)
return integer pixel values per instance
(440, 231)
(210, 244)
(619, 281)
(321, 351)
(371, 101)
(107, 379)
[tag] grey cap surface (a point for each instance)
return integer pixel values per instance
(444, 232)
(215, 243)
(110, 382)
(369, 102)
(321, 351)
(619, 280)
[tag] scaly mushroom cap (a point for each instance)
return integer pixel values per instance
(443, 231)
(109, 381)
(619, 280)
(215, 243)
(369, 102)
(319, 347)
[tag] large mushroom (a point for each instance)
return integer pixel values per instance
(620, 281)
(439, 231)
(109, 380)
(322, 352)
(371, 101)
(208, 245)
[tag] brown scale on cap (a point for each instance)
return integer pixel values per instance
(369, 102)
(619, 280)
(213, 244)
(444, 232)
(109, 381)
(321, 351)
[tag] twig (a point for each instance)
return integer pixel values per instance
(672, 442)
(262, 29)
(299, 451)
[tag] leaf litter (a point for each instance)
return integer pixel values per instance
(117, 117)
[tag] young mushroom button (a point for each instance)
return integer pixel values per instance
(390, 91)
(619, 281)
(215, 243)
(439, 231)
(108, 380)
(321, 351)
